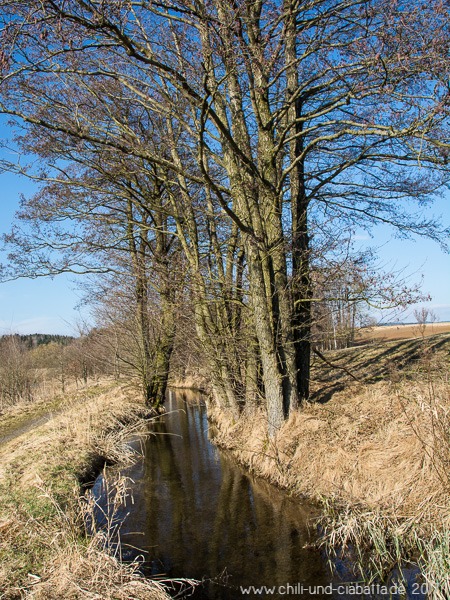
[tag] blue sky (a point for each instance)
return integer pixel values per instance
(418, 260)
(41, 305)
(49, 305)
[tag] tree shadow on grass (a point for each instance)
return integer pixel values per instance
(380, 361)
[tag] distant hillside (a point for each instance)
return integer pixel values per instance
(33, 340)
(380, 361)
(401, 331)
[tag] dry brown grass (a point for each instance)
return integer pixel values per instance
(376, 456)
(94, 575)
(190, 382)
(43, 550)
(361, 446)
(46, 399)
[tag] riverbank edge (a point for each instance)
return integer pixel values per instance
(44, 550)
(398, 530)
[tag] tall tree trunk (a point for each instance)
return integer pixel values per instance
(252, 209)
(141, 300)
(301, 294)
(301, 279)
(162, 355)
(272, 377)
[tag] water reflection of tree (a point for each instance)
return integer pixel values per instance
(204, 516)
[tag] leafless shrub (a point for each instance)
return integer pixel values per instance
(424, 316)
(16, 379)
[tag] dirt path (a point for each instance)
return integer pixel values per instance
(27, 416)
(31, 423)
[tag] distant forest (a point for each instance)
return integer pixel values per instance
(33, 340)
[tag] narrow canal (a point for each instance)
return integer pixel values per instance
(194, 513)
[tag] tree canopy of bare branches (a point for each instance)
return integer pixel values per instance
(257, 122)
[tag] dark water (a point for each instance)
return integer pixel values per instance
(196, 514)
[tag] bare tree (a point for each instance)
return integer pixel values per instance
(104, 214)
(348, 286)
(423, 316)
(275, 114)
(16, 377)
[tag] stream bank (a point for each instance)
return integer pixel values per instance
(193, 513)
(375, 457)
(44, 551)
(372, 450)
